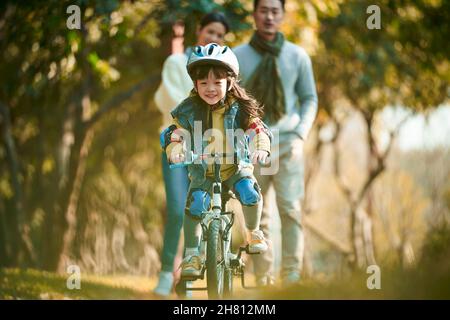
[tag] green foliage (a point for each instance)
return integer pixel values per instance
(437, 248)
(402, 63)
(191, 12)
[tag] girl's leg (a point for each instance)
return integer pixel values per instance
(252, 215)
(249, 195)
(263, 263)
(192, 233)
(255, 237)
(199, 201)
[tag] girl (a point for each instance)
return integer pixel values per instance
(175, 87)
(219, 106)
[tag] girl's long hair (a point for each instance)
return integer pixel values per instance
(248, 105)
(215, 17)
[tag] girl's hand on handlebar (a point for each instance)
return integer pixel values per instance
(177, 158)
(259, 156)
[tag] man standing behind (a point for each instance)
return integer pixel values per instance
(279, 74)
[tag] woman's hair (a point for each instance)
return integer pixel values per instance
(215, 17)
(256, 2)
(248, 105)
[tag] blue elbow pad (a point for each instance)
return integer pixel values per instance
(247, 192)
(200, 201)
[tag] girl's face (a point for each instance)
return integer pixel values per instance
(212, 89)
(212, 32)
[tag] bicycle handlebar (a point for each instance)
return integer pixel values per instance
(190, 157)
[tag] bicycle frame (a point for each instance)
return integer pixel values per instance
(217, 212)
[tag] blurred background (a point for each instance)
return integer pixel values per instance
(80, 178)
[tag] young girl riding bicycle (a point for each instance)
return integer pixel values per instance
(215, 111)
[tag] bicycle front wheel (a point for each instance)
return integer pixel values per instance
(215, 261)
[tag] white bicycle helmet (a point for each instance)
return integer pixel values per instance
(213, 54)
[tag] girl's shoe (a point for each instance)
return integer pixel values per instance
(257, 243)
(191, 266)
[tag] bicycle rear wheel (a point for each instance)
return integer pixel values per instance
(215, 262)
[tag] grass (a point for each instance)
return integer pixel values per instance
(413, 284)
(429, 279)
(34, 284)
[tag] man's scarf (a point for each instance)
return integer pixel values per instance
(265, 82)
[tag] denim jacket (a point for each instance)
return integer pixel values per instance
(189, 112)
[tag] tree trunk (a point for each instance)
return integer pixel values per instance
(66, 160)
(71, 218)
(77, 166)
(4, 252)
(368, 230)
(21, 244)
(12, 215)
(357, 239)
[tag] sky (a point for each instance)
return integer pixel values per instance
(420, 132)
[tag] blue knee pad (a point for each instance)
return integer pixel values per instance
(247, 192)
(200, 201)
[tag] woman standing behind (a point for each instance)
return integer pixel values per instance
(175, 87)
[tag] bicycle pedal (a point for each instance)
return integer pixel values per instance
(191, 278)
(235, 263)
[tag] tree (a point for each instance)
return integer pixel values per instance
(370, 69)
(60, 90)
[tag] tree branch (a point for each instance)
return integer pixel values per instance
(120, 98)
(393, 135)
(337, 159)
(315, 164)
(380, 157)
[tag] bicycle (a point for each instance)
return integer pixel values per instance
(220, 265)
